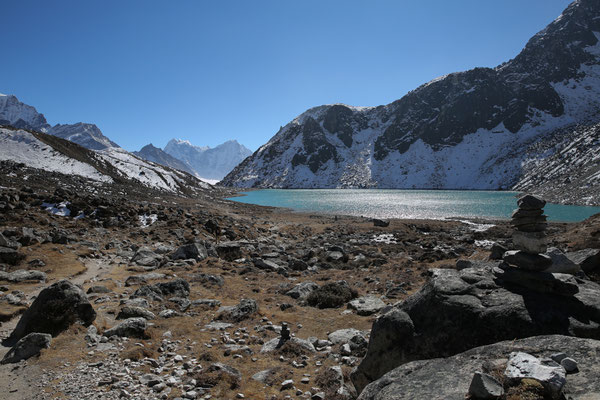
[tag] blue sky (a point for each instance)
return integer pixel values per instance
(208, 71)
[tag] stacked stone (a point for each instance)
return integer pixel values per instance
(529, 237)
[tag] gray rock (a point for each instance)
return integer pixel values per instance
(381, 223)
(22, 275)
(196, 251)
(10, 256)
(366, 305)
(131, 327)
(527, 261)
(226, 369)
(146, 258)
(55, 309)
(449, 378)
(177, 287)
(569, 365)
(11, 244)
(458, 310)
(150, 380)
(546, 371)
(530, 202)
(542, 282)
(497, 251)
(485, 387)
(27, 347)
(207, 280)
(143, 278)
(301, 290)
(229, 251)
(269, 265)
(98, 289)
(211, 303)
(561, 263)
(530, 242)
(244, 310)
(342, 336)
(218, 326)
(273, 344)
(134, 312)
(587, 259)
(263, 375)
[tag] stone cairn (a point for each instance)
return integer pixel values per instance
(529, 237)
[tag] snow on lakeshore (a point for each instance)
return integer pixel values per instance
(23, 147)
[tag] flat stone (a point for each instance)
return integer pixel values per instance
(132, 327)
(546, 371)
(366, 305)
(530, 242)
(527, 261)
(530, 202)
(519, 213)
(541, 282)
(561, 263)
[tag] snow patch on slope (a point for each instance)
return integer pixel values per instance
(23, 147)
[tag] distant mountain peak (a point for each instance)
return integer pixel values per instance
(209, 163)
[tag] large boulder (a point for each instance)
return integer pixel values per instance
(55, 309)
(26, 347)
(459, 310)
(450, 378)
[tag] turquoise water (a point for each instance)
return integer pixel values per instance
(417, 204)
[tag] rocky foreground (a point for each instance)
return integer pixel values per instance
(126, 292)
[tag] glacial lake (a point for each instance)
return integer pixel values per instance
(407, 204)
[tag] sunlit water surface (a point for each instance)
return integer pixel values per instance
(407, 204)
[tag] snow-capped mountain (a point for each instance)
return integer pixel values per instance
(86, 135)
(110, 165)
(157, 155)
(473, 130)
(208, 163)
(20, 115)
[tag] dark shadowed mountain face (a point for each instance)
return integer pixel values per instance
(471, 130)
(23, 116)
(154, 154)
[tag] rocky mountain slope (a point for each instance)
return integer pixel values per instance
(111, 165)
(157, 155)
(20, 115)
(209, 163)
(469, 130)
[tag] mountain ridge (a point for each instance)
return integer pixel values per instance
(15, 113)
(464, 130)
(208, 163)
